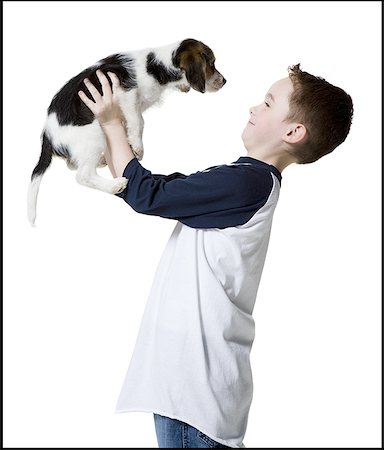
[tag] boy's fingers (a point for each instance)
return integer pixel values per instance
(104, 82)
(115, 80)
(91, 88)
(86, 100)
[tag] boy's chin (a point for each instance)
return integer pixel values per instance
(245, 140)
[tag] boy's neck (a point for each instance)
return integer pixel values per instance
(280, 161)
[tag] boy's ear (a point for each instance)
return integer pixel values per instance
(295, 134)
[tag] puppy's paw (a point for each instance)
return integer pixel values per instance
(119, 185)
(183, 87)
(138, 152)
(102, 162)
(136, 146)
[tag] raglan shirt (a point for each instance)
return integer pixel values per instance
(191, 361)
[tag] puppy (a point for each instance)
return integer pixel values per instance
(72, 132)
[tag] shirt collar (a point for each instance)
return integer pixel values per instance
(257, 163)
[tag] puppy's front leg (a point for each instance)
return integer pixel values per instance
(134, 127)
(134, 122)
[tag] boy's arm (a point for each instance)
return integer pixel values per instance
(119, 152)
(219, 197)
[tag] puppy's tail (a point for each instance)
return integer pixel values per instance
(37, 175)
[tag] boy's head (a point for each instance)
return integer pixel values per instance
(302, 118)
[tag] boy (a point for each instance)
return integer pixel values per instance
(191, 365)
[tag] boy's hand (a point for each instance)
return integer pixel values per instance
(105, 107)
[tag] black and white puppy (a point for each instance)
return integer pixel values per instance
(72, 132)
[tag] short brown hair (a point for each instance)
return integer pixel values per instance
(325, 110)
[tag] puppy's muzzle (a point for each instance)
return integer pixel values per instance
(220, 81)
(216, 82)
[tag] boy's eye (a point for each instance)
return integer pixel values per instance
(266, 104)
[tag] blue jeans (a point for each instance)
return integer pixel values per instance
(172, 433)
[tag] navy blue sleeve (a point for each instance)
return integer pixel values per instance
(218, 197)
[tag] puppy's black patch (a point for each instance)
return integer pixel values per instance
(160, 72)
(68, 106)
(45, 157)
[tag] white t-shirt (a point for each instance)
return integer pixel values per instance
(191, 360)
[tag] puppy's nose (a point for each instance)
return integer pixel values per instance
(224, 81)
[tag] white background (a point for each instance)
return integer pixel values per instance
(75, 286)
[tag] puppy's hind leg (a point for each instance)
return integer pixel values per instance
(87, 175)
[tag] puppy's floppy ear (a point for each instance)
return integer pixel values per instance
(194, 66)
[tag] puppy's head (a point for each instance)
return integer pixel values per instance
(198, 62)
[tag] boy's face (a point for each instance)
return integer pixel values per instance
(266, 126)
